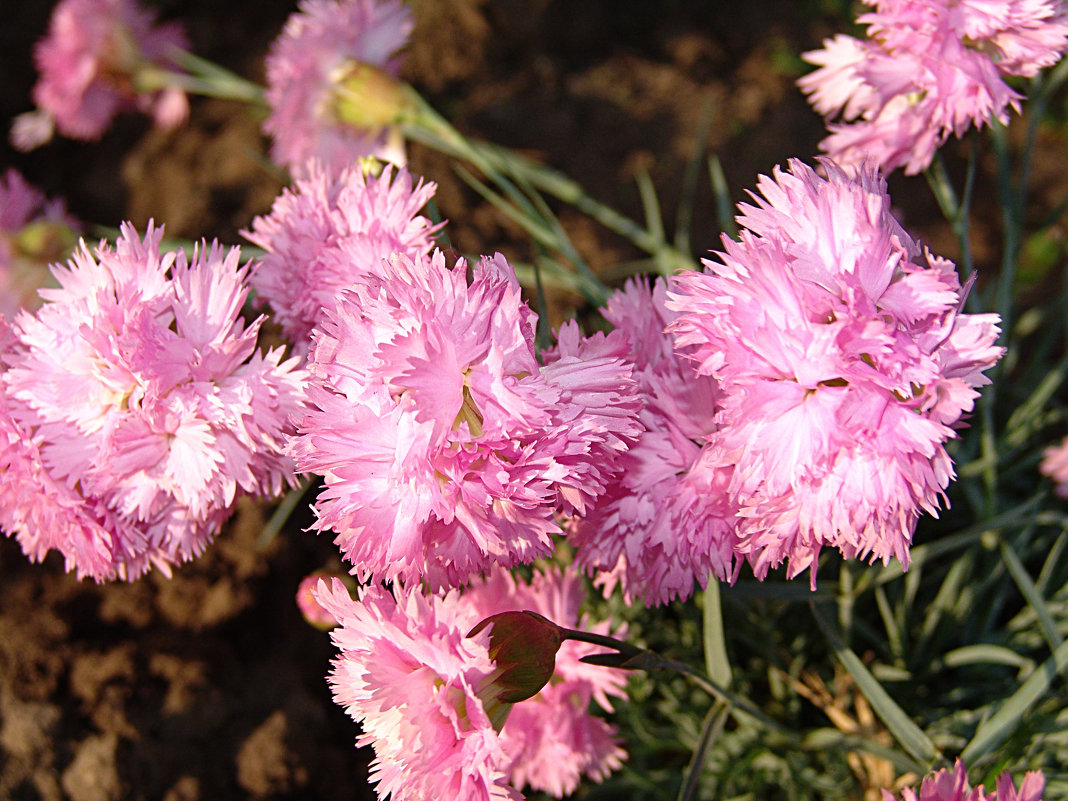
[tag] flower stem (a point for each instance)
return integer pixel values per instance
(631, 657)
(431, 129)
(218, 83)
(956, 210)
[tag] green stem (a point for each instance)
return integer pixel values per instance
(712, 727)
(282, 513)
(210, 81)
(955, 210)
(1011, 198)
(631, 657)
(428, 127)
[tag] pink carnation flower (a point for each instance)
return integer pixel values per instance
(552, 740)
(952, 785)
(844, 363)
(412, 678)
(929, 68)
(667, 517)
(90, 63)
(136, 408)
(1055, 465)
(46, 514)
(445, 446)
(34, 232)
(325, 231)
(307, 65)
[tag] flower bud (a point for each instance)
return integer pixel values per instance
(313, 612)
(24, 258)
(367, 97)
(523, 645)
(44, 241)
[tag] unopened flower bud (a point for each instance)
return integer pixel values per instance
(44, 241)
(310, 608)
(24, 258)
(523, 645)
(369, 98)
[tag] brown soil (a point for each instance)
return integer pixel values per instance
(209, 686)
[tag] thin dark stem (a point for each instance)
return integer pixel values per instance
(710, 731)
(631, 657)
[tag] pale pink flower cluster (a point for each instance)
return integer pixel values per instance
(552, 741)
(928, 69)
(952, 785)
(446, 448)
(90, 63)
(306, 67)
(667, 517)
(326, 230)
(409, 675)
(34, 232)
(136, 408)
(422, 690)
(844, 362)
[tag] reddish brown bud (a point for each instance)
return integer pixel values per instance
(523, 645)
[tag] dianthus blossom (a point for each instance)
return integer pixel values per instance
(91, 61)
(325, 230)
(316, 110)
(952, 785)
(34, 232)
(445, 446)
(844, 362)
(667, 518)
(136, 408)
(552, 740)
(411, 677)
(1055, 465)
(928, 69)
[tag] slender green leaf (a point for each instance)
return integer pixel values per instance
(995, 729)
(893, 630)
(944, 601)
(567, 247)
(717, 663)
(543, 232)
(724, 207)
(544, 336)
(537, 228)
(911, 737)
(690, 176)
(1052, 563)
(986, 653)
(282, 512)
(845, 597)
(555, 277)
(1022, 421)
(654, 221)
(1030, 593)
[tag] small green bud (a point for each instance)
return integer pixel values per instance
(369, 98)
(44, 241)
